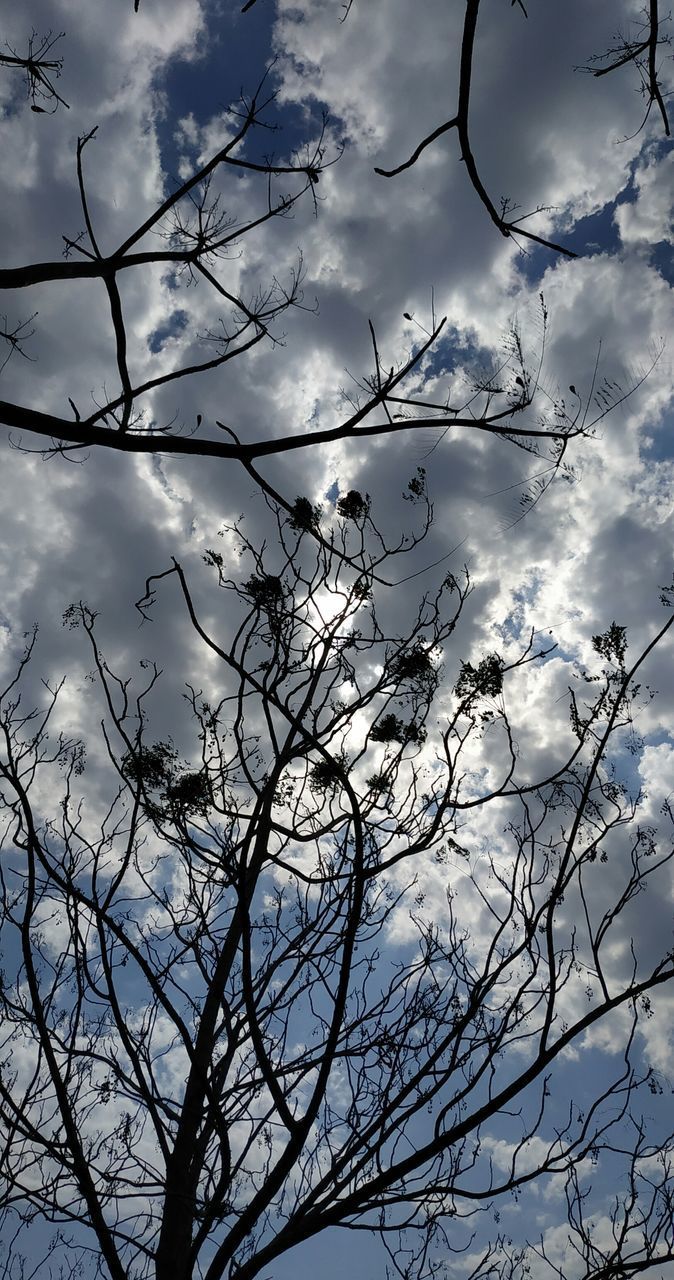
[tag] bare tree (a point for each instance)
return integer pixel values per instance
(231, 1021)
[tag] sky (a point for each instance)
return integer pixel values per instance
(596, 547)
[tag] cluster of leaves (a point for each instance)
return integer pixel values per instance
(180, 792)
(415, 666)
(304, 516)
(326, 774)
(267, 594)
(416, 487)
(265, 589)
(392, 729)
(485, 680)
(354, 505)
(362, 589)
(379, 783)
(214, 559)
(612, 644)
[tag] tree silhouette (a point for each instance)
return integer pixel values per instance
(231, 1020)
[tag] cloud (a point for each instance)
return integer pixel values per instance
(647, 219)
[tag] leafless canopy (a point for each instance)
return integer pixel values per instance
(231, 1019)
